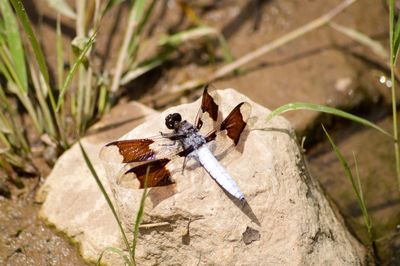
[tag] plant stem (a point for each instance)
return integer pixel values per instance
(395, 131)
(393, 54)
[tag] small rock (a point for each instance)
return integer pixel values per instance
(250, 235)
(268, 169)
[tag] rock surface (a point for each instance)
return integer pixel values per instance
(287, 220)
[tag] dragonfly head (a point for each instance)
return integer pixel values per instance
(172, 120)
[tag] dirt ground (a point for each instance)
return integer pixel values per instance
(321, 67)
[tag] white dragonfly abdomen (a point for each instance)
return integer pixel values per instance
(217, 172)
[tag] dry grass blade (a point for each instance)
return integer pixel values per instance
(62, 7)
(134, 19)
(60, 54)
(283, 40)
(191, 34)
(169, 44)
(227, 69)
(375, 46)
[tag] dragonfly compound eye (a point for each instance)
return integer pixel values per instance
(172, 119)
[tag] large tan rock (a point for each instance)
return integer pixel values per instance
(287, 221)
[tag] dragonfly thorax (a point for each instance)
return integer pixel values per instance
(192, 138)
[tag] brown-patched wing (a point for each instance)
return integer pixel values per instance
(138, 155)
(234, 123)
(158, 174)
(209, 105)
(133, 150)
(138, 150)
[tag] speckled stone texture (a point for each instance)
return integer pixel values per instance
(286, 221)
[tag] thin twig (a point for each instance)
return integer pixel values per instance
(393, 55)
(152, 225)
(122, 56)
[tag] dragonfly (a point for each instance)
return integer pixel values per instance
(149, 157)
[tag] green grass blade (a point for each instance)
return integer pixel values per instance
(394, 31)
(325, 109)
(102, 103)
(117, 251)
(5, 126)
(367, 219)
(396, 40)
(137, 11)
(4, 101)
(9, 70)
(41, 62)
(5, 123)
(12, 129)
(4, 66)
(89, 98)
(108, 5)
(6, 145)
(23, 18)
(349, 175)
(2, 27)
(139, 215)
(12, 138)
(14, 44)
(28, 104)
(14, 159)
(40, 88)
(226, 52)
(397, 29)
(73, 69)
(103, 191)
